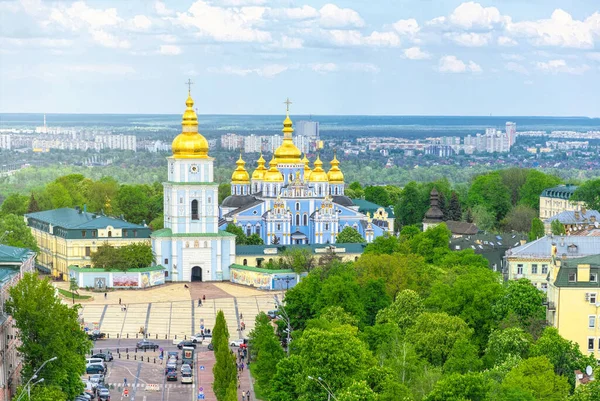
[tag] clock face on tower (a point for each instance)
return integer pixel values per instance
(194, 168)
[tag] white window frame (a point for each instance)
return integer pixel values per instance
(544, 287)
(534, 268)
(592, 321)
(593, 277)
(574, 276)
(520, 269)
(544, 269)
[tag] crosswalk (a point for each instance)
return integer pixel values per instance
(143, 385)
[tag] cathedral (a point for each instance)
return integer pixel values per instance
(289, 202)
(190, 246)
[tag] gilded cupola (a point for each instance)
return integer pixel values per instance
(307, 170)
(273, 174)
(287, 152)
(259, 173)
(240, 175)
(318, 174)
(190, 144)
(335, 174)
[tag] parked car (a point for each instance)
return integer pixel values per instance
(96, 335)
(198, 337)
(186, 366)
(146, 345)
(237, 343)
(103, 394)
(170, 368)
(172, 375)
(187, 343)
(105, 356)
(273, 314)
(94, 369)
(86, 396)
(173, 354)
(96, 380)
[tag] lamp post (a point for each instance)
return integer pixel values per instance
(34, 377)
(325, 386)
(286, 319)
(4, 235)
(29, 388)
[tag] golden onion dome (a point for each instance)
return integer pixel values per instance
(335, 174)
(259, 173)
(240, 175)
(190, 144)
(273, 175)
(307, 170)
(318, 174)
(287, 152)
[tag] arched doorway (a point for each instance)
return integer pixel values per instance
(196, 273)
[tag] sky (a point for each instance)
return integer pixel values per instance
(376, 57)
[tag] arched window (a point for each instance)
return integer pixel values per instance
(195, 210)
(305, 218)
(297, 205)
(297, 219)
(291, 177)
(319, 190)
(326, 226)
(245, 262)
(109, 233)
(258, 230)
(248, 230)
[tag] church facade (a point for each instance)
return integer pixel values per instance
(289, 202)
(190, 246)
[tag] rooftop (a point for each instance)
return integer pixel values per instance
(314, 248)
(461, 227)
(365, 206)
(167, 232)
(260, 270)
(576, 217)
(73, 219)
(570, 266)
(542, 247)
(13, 255)
(560, 191)
(98, 270)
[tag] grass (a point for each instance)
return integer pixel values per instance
(257, 390)
(71, 295)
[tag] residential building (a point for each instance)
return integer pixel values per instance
(574, 301)
(260, 255)
(14, 262)
(5, 142)
(440, 150)
(533, 260)
(493, 247)
(253, 144)
(309, 129)
(232, 141)
(511, 132)
(574, 220)
(556, 200)
(68, 237)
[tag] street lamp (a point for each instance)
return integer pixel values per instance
(27, 386)
(286, 319)
(325, 386)
(4, 235)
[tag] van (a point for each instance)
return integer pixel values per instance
(187, 377)
(94, 360)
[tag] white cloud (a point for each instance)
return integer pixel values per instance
(516, 67)
(238, 3)
(226, 24)
(364, 67)
(141, 22)
(113, 69)
(295, 13)
(415, 53)
(356, 38)
(324, 68)
(560, 30)
(473, 15)
(332, 16)
(161, 9)
(267, 71)
(168, 38)
(507, 56)
(169, 50)
(560, 66)
(454, 65)
(384, 39)
(287, 42)
(79, 15)
(506, 41)
(469, 39)
(36, 42)
(109, 40)
(407, 26)
(593, 56)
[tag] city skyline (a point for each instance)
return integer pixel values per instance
(340, 58)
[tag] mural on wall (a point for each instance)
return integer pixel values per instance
(150, 279)
(251, 278)
(125, 279)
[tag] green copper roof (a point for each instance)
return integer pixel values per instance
(365, 206)
(560, 191)
(11, 254)
(72, 219)
(260, 249)
(570, 266)
(95, 270)
(260, 270)
(167, 232)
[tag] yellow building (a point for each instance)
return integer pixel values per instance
(574, 301)
(557, 200)
(68, 237)
(260, 255)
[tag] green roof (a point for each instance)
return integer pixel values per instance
(570, 266)
(167, 232)
(365, 206)
(98, 270)
(191, 183)
(260, 249)
(560, 191)
(260, 270)
(6, 273)
(12, 254)
(72, 219)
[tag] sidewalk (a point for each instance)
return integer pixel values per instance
(246, 383)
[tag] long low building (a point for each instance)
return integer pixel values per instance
(260, 255)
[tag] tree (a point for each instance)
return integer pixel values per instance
(220, 331)
(298, 259)
(443, 205)
(254, 239)
(537, 229)
(519, 219)
(106, 257)
(240, 237)
(588, 392)
(490, 192)
(33, 205)
(158, 222)
(514, 178)
(286, 384)
(101, 195)
(300, 300)
(133, 202)
(357, 188)
(482, 217)
(374, 299)
(557, 227)
(41, 393)
(17, 232)
(341, 290)
(404, 311)
(266, 350)
(224, 369)
(58, 195)
(131, 256)
(408, 210)
(377, 195)
(384, 244)
(357, 391)
(536, 375)
(459, 387)
(463, 358)
(14, 204)
(589, 193)
(535, 183)
(39, 316)
(454, 208)
(224, 192)
(502, 344)
(349, 236)
(522, 299)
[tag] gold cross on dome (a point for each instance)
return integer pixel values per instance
(287, 104)
(189, 83)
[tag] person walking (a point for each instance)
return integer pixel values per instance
(243, 395)
(248, 395)
(119, 301)
(204, 297)
(241, 316)
(104, 295)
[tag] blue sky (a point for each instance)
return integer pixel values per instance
(380, 57)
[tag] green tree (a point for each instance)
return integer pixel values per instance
(535, 183)
(33, 205)
(384, 244)
(357, 391)
(514, 178)
(374, 299)
(522, 299)
(589, 193)
(240, 236)
(266, 350)
(349, 236)
(17, 232)
(136, 255)
(404, 311)
(519, 219)
(463, 358)
(557, 227)
(224, 369)
(454, 208)
(298, 259)
(502, 344)
(482, 217)
(377, 195)
(254, 239)
(358, 189)
(536, 375)
(134, 202)
(220, 331)
(58, 195)
(14, 204)
(41, 393)
(489, 191)
(39, 316)
(287, 382)
(224, 192)
(457, 387)
(408, 210)
(158, 222)
(73, 286)
(106, 257)
(300, 300)
(101, 195)
(537, 229)
(588, 392)
(342, 290)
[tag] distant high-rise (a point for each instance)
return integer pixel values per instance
(308, 129)
(511, 132)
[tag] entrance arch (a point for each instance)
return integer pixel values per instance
(196, 273)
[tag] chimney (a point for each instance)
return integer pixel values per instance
(523, 242)
(576, 214)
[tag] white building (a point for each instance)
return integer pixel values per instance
(308, 129)
(231, 141)
(253, 144)
(5, 142)
(511, 132)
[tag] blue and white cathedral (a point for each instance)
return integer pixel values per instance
(290, 203)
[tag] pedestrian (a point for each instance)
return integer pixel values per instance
(119, 301)
(104, 295)
(125, 382)
(243, 395)
(204, 297)
(248, 395)
(199, 302)
(242, 366)
(241, 316)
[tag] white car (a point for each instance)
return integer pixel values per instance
(236, 343)
(197, 338)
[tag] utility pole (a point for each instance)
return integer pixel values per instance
(286, 319)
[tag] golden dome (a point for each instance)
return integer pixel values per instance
(318, 174)
(307, 170)
(287, 152)
(189, 144)
(259, 173)
(335, 175)
(273, 175)
(240, 175)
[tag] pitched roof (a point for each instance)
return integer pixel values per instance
(462, 227)
(570, 266)
(576, 217)
(542, 247)
(365, 206)
(12, 254)
(99, 270)
(72, 219)
(260, 249)
(560, 191)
